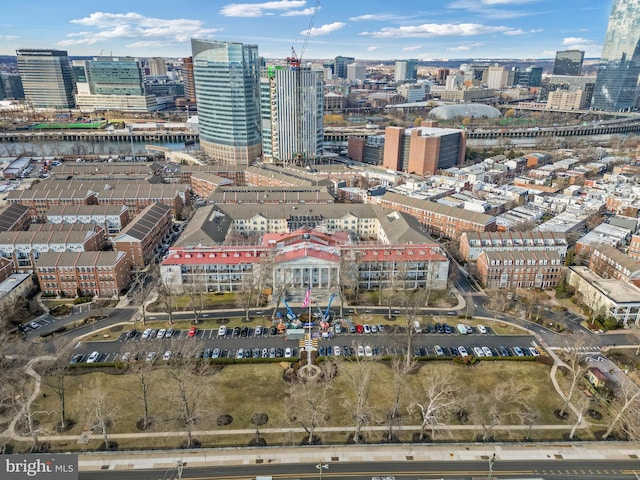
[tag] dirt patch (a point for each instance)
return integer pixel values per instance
(68, 425)
(557, 413)
(595, 414)
(140, 424)
(222, 321)
(259, 419)
(224, 420)
(258, 442)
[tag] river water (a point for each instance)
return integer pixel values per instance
(59, 149)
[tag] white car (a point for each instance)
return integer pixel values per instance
(487, 352)
(482, 329)
(462, 352)
(125, 356)
(477, 351)
(367, 328)
(151, 356)
(360, 351)
(93, 358)
(240, 353)
(167, 356)
(367, 351)
(161, 333)
(438, 350)
(258, 332)
(146, 334)
(288, 353)
(534, 352)
(336, 351)
(222, 331)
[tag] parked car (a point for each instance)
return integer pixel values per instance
(352, 329)
(359, 329)
(216, 353)
(244, 331)
(222, 331)
(273, 331)
(360, 351)
(366, 328)
(477, 351)
(125, 357)
(240, 353)
(131, 334)
(169, 333)
(518, 351)
(146, 334)
(288, 353)
(258, 332)
(503, 351)
(462, 352)
(336, 351)
(161, 333)
(374, 329)
(337, 328)
(93, 358)
(236, 332)
(77, 358)
(482, 329)
(167, 356)
(487, 352)
(367, 351)
(438, 350)
(534, 352)
(151, 356)
(192, 332)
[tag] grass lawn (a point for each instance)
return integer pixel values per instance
(210, 301)
(243, 390)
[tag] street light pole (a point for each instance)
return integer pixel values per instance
(492, 460)
(180, 467)
(322, 466)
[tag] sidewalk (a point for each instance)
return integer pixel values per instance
(357, 453)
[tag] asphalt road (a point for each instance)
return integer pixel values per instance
(550, 469)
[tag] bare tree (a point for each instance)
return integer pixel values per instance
(248, 290)
(311, 398)
(143, 288)
(626, 405)
(506, 403)
(399, 371)
(142, 371)
(349, 278)
(57, 379)
(581, 404)
(184, 373)
(576, 367)
(100, 411)
(195, 290)
(167, 298)
(436, 400)
(358, 373)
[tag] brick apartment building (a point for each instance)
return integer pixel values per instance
(472, 244)
(440, 220)
(522, 269)
(14, 217)
(634, 247)
(135, 195)
(203, 184)
(6, 269)
(102, 274)
(23, 248)
(608, 262)
(266, 195)
(140, 238)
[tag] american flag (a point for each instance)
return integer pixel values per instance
(307, 297)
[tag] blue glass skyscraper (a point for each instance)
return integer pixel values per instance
(227, 82)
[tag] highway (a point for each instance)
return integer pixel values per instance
(550, 469)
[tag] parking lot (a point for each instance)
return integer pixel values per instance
(263, 342)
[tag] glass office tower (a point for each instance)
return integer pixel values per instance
(227, 81)
(47, 78)
(568, 62)
(623, 31)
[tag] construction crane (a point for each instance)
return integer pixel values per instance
(295, 61)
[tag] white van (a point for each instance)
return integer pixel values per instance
(417, 327)
(462, 328)
(222, 331)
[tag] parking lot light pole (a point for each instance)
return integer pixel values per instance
(180, 467)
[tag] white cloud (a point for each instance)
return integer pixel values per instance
(412, 48)
(324, 29)
(517, 31)
(154, 31)
(379, 17)
(590, 47)
(464, 48)
(373, 48)
(436, 30)
(8, 37)
(297, 13)
(259, 9)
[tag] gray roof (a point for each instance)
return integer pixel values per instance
(81, 259)
(148, 218)
(76, 210)
(10, 215)
(210, 225)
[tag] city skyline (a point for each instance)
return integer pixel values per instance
(374, 30)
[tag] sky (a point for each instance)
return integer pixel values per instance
(364, 29)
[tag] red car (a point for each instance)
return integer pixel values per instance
(192, 332)
(359, 328)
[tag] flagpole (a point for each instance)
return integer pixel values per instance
(310, 342)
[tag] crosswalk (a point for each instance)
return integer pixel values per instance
(309, 343)
(585, 349)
